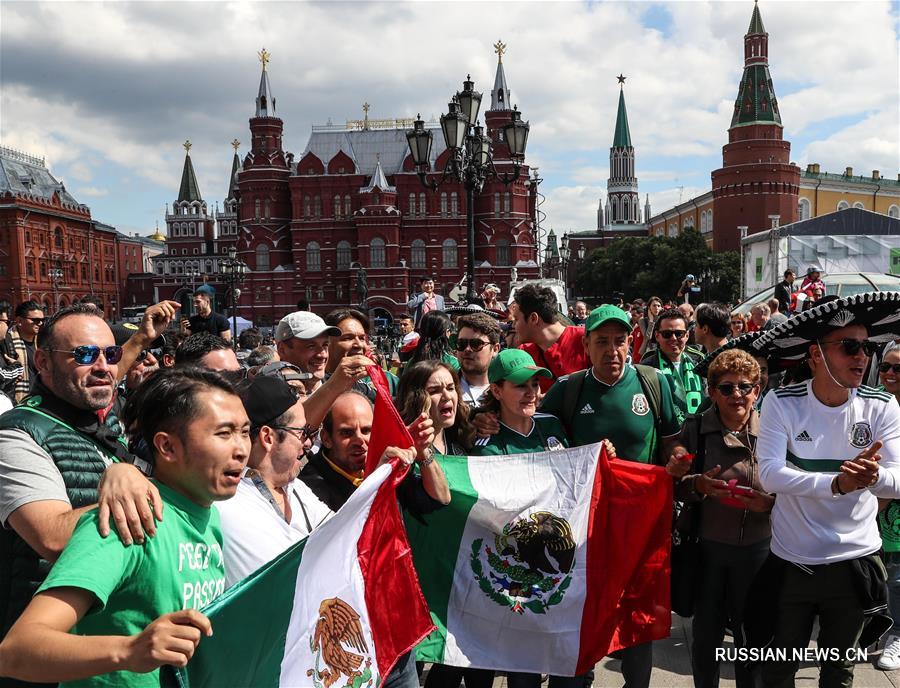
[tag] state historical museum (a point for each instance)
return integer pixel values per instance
(349, 209)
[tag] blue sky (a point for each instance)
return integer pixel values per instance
(109, 92)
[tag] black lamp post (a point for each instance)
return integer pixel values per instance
(471, 157)
(233, 270)
(56, 276)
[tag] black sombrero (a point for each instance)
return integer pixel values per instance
(460, 309)
(744, 343)
(878, 311)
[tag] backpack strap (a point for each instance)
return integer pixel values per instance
(574, 383)
(651, 386)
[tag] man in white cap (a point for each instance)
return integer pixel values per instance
(302, 340)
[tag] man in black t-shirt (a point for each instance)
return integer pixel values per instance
(205, 320)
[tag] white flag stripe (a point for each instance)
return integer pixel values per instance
(330, 568)
(485, 633)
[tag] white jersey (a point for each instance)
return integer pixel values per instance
(254, 533)
(801, 446)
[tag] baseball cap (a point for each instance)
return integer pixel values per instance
(286, 371)
(205, 289)
(122, 332)
(515, 365)
(266, 398)
(607, 313)
(491, 286)
(303, 325)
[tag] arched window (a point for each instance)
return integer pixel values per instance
(192, 229)
(859, 205)
(262, 257)
(502, 251)
(894, 211)
(348, 209)
(58, 237)
(803, 209)
(268, 209)
(843, 205)
(497, 204)
(449, 256)
(313, 257)
(344, 255)
(506, 203)
(376, 253)
(454, 204)
(29, 269)
(412, 205)
(337, 206)
(317, 206)
(443, 204)
(417, 254)
(307, 207)
(423, 207)
(209, 266)
(256, 209)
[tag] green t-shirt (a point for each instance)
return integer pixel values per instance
(687, 386)
(181, 567)
(620, 413)
(546, 433)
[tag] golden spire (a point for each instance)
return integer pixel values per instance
(187, 146)
(264, 57)
(500, 48)
(235, 144)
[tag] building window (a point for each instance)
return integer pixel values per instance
(843, 205)
(347, 206)
(43, 269)
(423, 208)
(29, 269)
(502, 251)
(449, 255)
(313, 257)
(268, 209)
(337, 206)
(320, 294)
(454, 204)
(344, 255)
(159, 269)
(58, 237)
(256, 206)
(894, 211)
(803, 209)
(444, 204)
(412, 205)
(262, 257)
(497, 204)
(339, 292)
(417, 254)
(506, 203)
(317, 206)
(376, 253)
(859, 205)
(307, 207)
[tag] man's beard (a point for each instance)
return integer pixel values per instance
(87, 398)
(472, 368)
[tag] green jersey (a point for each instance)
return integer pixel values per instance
(181, 567)
(620, 413)
(546, 433)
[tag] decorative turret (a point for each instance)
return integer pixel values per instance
(189, 221)
(232, 180)
(500, 92)
(756, 100)
(189, 189)
(378, 181)
(622, 137)
(265, 101)
(157, 235)
(622, 201)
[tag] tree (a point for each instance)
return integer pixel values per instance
(656, 266)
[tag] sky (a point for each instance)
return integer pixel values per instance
(108, 92)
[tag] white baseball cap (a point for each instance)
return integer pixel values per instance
(303, 325)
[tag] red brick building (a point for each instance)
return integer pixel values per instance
(351, 202)
(51, 250)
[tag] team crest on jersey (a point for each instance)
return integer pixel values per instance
(861, 435)
(639, 405)
(530, 564)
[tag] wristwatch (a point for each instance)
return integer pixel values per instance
(836, 491)
(427, 458)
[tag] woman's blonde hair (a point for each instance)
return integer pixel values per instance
(733, 361)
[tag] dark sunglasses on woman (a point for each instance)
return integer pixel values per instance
(89, 353)
(727, 388)
(884, 367)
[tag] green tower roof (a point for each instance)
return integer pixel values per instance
(756, 25)
(622, 138)
(190, 190)
(756, 102)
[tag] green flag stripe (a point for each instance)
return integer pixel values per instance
(815, 465)
(435, 546)
(257, 608)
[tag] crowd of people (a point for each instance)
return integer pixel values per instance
(145, 470)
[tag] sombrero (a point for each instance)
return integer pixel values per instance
(877, 311)
(468, 309)
(744, 343)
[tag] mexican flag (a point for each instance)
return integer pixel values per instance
(545, 562)
(337, 608)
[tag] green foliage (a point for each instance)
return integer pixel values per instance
(656, 266)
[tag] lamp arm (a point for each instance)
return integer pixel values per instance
(430, 183)
(504, 178)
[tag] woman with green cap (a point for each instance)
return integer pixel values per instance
(513, 396)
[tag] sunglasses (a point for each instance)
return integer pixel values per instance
(304, 433)
(884, 367)
(851, 347)
(36, 321)
(474, 344)
(668, 334)
(727, 388)
(89, 353)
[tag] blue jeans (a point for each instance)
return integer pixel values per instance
(404, 674)
(892, 564)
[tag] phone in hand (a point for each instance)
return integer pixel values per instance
(742, 491)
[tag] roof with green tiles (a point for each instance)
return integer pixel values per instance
(853, 179)
(756, 25)
(622, 137)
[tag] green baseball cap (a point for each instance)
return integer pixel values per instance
(607, 313)
(515, 365)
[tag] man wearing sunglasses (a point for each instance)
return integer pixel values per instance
(58, 446)
(477, 342)
(676, 360)
(19, 344)
(271, 509)
(828, 448)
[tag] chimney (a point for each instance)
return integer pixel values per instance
(876, 174)
(848, 172)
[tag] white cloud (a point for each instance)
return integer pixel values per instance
(571, 208)
(871, 144)
(92, 191)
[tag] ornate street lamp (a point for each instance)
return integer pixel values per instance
(471, 157)
(56, 276)
(233, 271)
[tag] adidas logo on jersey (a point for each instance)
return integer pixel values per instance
(587, 409)
(803, 437)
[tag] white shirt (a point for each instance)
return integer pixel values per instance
(471, 394)
(801, 445)
(254, 533)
